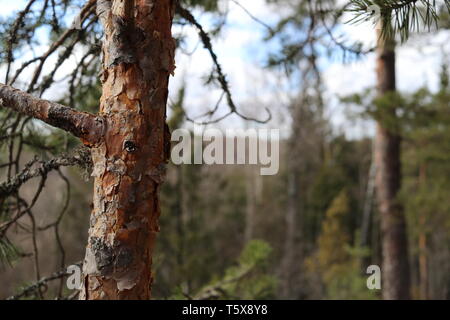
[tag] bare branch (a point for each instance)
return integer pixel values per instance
(41, 283)
(221, 78)
(256, 19)
(84, 125)
(11, 186)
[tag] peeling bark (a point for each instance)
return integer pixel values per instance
(129, 163)
(129, 140)
(84, 125)
(395, 265)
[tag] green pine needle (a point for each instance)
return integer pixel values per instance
(400, 16)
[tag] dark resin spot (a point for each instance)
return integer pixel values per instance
(129, 146)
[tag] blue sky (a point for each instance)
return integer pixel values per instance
(242, 52)
(418, 64)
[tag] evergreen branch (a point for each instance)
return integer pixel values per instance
(398, 16)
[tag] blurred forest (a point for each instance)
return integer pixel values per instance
(226, 232)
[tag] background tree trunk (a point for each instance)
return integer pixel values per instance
(423, 246)
(290, 250)
(395, 268)
(253, 190)
(129, 163)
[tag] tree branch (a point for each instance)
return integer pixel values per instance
(84, 125)
(221, 78)
(80, 158)
(25, 292)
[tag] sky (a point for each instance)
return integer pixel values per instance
(242, 51)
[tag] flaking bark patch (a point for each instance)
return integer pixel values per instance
(103, 253)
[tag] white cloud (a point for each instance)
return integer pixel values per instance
(9, 6)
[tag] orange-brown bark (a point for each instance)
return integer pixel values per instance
(129, 163)
(395, 268)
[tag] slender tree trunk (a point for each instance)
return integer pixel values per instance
(289, 262)
(395, 268)
(423, 260)
(367, 220)
(253, 190)
(129, 162)
(368, 204)
(296, 159)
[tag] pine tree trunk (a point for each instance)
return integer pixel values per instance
(290, 251)
(129, 162)
(423, 251)
(395, 268)
(253, 190)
